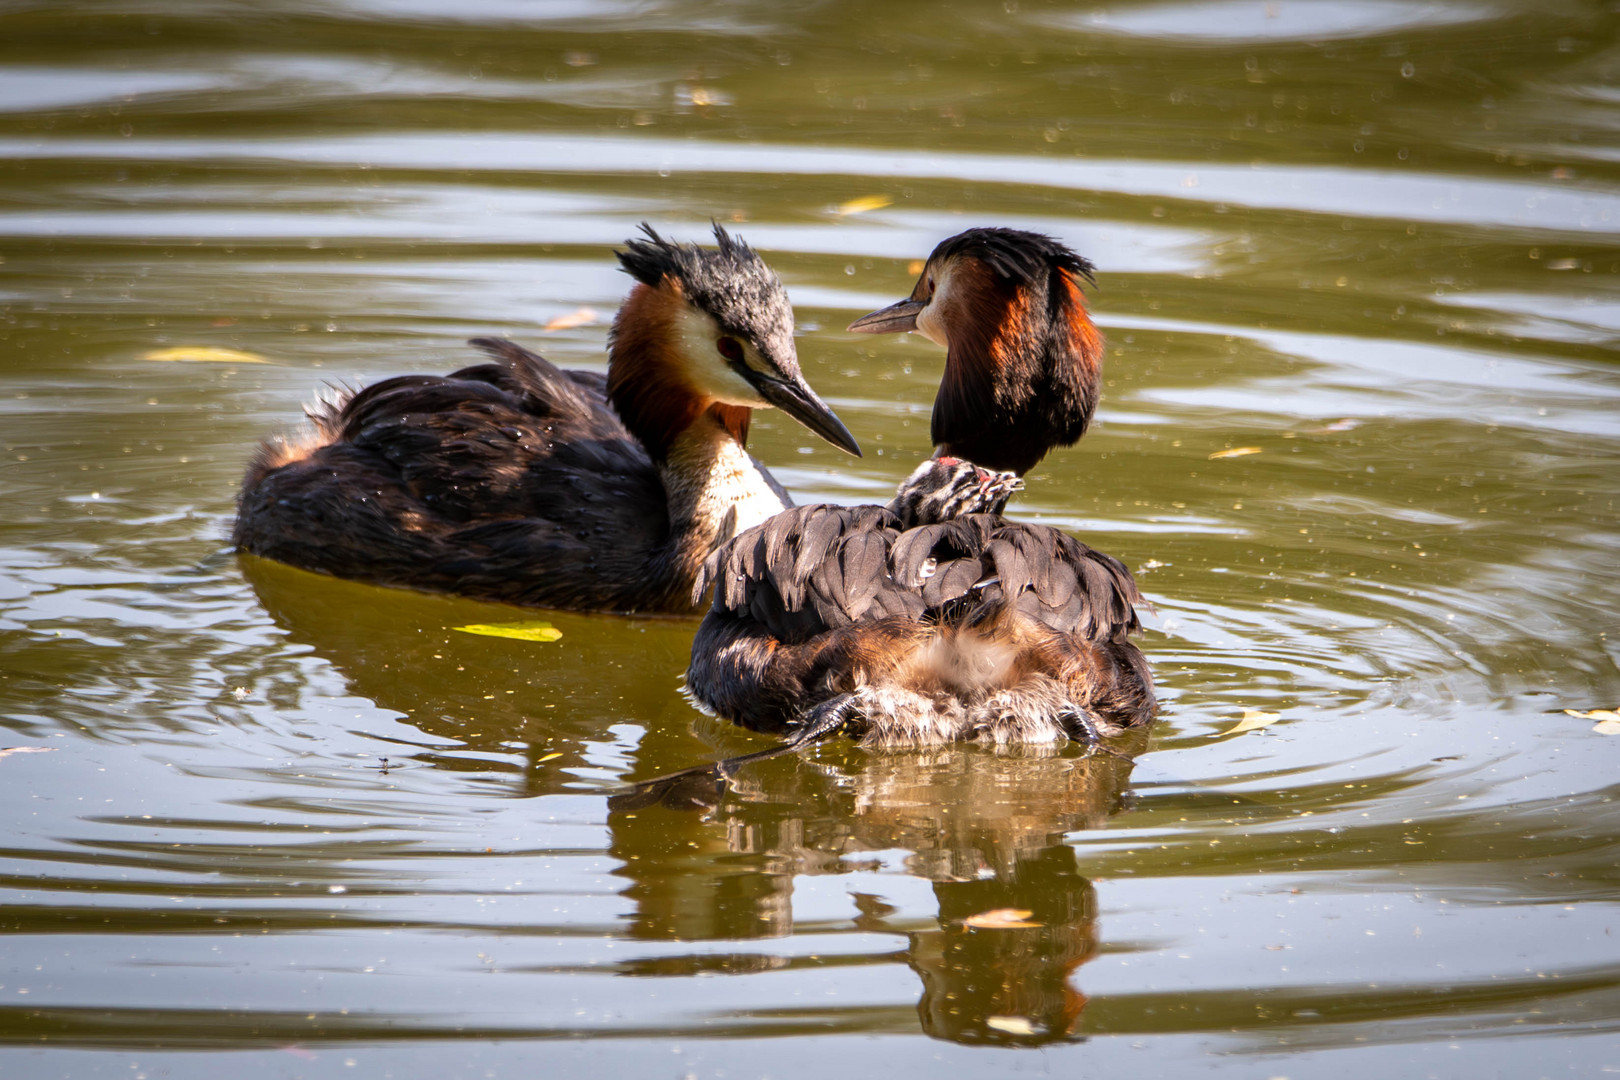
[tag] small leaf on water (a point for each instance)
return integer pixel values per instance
(581, 317)
(518, 631)
(551, 756)
(707, 95)
(1593, 714)
(1252, 720)
(1607, 727)
(1012, 1025)
(863, 204)
(1007, 918)
(4, 750)
(203, 354)
(1236, 451)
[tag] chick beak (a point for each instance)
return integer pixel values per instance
(794, 397)
(893, 319)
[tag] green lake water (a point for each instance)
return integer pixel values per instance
(285, 826)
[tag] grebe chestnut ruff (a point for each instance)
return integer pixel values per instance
(516, 481)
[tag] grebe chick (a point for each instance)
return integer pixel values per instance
(946, 487)
(516, 481)
(966, 627)
(1022, 360)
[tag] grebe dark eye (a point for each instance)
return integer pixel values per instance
(730, 348)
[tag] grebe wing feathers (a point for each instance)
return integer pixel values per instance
(819, 568)
(1070, 587)
(563, 390)
(512, 479)
(516, 438)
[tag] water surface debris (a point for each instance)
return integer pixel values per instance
(4, 750)
(863, 204)
(1011, 1025)
(517, 631)
(203, 354)
(579, 317)
(1236, 451)
(1253, 719)
(1608, 720)
(1006, 918)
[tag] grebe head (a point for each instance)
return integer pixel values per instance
(1023, 359)
(966, 276)
(945, 487)
(717, 325)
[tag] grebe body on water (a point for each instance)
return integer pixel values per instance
(517, 481)
(951, 624)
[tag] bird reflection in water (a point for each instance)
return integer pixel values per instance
(1016, 917)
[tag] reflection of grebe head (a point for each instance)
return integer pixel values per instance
(945, 487)
(997, 970)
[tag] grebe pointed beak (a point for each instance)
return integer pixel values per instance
(890, 320)
(794, 397)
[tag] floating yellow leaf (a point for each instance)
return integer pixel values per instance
(1594, 714)
(863, 204)
(553, 756)
(1607, 727)
(1012, 1025)
(1006, 918)
(1253, 719)
(518, 631)
(1236, 451)
(582, 317)
(203, 354)
(708, 95)
(25, 750)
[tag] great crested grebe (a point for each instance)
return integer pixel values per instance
(514, 480)
(941, 627)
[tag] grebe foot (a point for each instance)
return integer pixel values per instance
(1082, 728)
(823, 720)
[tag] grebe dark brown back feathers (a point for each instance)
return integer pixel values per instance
(1023, 359)
(514, 480)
